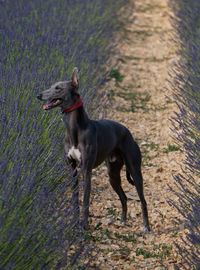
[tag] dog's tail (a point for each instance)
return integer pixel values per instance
(128, 176)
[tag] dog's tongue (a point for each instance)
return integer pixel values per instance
(47, 106)
(52, 104)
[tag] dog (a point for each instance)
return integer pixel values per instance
(89, 143)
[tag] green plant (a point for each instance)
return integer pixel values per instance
(113, 212)
(159, 251)
(171, 148)
(127, 238)
(114, 73)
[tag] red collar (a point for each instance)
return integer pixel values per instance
(76, 105)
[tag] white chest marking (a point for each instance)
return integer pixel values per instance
(74, 153)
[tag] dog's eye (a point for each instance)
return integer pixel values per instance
(57, 87)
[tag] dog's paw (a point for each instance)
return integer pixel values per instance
(123, 222)
(84, 225)
(146, 229)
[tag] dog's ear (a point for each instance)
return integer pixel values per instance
(75, 77)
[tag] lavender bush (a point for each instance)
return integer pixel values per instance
(186, 86)
(40, 43)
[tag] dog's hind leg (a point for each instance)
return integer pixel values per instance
(132, 159)
(139, 187)
(114, 169)
(135, 171)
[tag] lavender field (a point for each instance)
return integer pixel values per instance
(40, 43)
(187, 126)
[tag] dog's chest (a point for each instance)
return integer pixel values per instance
(74, 153)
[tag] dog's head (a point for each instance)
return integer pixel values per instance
(62, 94)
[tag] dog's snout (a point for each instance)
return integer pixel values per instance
(39, 96)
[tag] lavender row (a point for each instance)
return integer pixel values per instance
(186, 86)
(40, 43)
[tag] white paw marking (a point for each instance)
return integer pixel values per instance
(74, 153)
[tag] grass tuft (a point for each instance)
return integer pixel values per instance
(114, 73)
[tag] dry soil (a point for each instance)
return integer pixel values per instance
(143, 103)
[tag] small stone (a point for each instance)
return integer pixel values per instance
(102, 260)
(108, 220)
(114, 246)
(131, 195)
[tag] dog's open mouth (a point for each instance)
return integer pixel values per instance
(52, 104)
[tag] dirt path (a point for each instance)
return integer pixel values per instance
(146, 54)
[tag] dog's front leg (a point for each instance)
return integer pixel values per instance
(75, 184)
(86, 196)
(75, 191)
(89, 157)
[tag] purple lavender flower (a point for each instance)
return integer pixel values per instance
(40, 43)
(186, 87)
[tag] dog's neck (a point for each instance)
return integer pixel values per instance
(75, 120)
(76, 105)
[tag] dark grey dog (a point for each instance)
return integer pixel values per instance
(90, 142)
